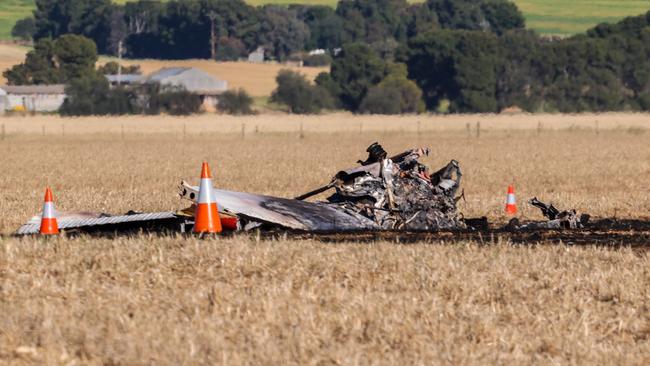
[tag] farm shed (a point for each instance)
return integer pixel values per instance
(193, 80)
(33, 98)
(256, 56)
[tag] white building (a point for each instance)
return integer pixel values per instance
(32, 98)
(256, 56)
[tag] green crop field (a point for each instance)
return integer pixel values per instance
(545, 16)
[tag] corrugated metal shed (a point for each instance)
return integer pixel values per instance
(192, 79)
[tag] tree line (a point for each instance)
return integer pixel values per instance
(456, 56)
(230, 29)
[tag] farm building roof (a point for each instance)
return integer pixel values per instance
(34, 89)
(192, 79)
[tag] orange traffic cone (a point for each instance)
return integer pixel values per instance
(49, 226)
(511, 203)
(206, 216)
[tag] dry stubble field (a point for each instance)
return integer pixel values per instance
(241, 300)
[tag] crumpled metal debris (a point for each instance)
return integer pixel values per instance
(399, 193)
(567, 219)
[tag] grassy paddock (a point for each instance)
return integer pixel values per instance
(242, 300)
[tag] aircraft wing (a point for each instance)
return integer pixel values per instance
(284, 212)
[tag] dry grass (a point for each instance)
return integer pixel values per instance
(257, 79)
(244, 301)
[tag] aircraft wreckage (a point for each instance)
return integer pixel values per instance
(383, 193)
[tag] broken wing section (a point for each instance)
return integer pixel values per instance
(283, 212)
(96, 221)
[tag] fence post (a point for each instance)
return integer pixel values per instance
(539, 128)
(469, 130)
(478, 129)
(243, 130)
(302, 133)
(3, 131)
(43, 130)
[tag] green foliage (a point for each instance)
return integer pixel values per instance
(355, 70)
(488, 15)
(75, 55)
(230, 49)
(380, 100)
(235, 102)
(91, 95)
(53, 62)
(175, 101)
(317, 60)
(299, 95)
(607, 70)
(324, 81)
(281, 32)
(393, 95)
(89, 18)
(181, 29)
(456, 65)
(112, 68)
(24, 29)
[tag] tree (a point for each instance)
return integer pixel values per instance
(325, 26)
(40, 66)
(24, 29)
(91, 95)
(112, 68)
(89, 18)
(371, 21)
(459, 66)
(53, 62)
(235, 102)
(490, 15)
(393, 95)
(299, 95)
(76, 56)
(355, 70)
(282, 33)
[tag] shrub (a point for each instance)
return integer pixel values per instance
(112, 68)
(24, 29)
(393, 95)
(380, 100)
(176, 101)
(317, 60)
(91, 95)
(235, 102)
(230, 49)
(299, 95)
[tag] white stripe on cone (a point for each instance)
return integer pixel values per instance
(48, 210)
(511, 199)
(205, 191)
